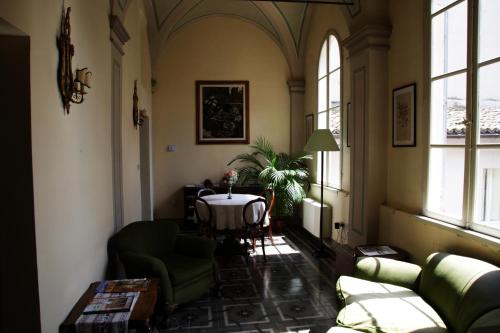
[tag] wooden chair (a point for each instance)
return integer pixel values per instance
(205, 191)
(205, 220)
(254, 228)
(268, 194)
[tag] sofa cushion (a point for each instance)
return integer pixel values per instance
(382, 307)
(461, 289)
(183, 268)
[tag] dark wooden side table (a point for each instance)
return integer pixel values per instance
(399, 255)
(346, 257)
(139, 318)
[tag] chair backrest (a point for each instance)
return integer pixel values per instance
(252, 215)
(205, 191)
(461, 289)
(268, 194)
(203, 215)
(155, 238)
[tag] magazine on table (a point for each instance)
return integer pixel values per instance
(376, 250)
(126, 285)
(110, 302)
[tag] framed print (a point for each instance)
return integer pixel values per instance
(222, 110)
(403, 116)
(309, 126)
(349, 125)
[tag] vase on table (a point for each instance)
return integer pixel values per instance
(229, 194)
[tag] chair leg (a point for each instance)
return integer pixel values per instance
(263, 246)
(271, 233)
(254, 241)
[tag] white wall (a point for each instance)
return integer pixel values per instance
(71, 153)
(327, 19)
(136, 65)
(214, 48)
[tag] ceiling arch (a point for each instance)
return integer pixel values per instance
(283, 22)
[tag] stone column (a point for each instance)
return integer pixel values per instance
(297, 99)
(369, 95)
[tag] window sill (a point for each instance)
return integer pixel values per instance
(460, 231)
(330, 189)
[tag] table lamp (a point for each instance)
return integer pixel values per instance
(321, 140)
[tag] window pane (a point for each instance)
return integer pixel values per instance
(334, 124)
(334, 87)
(449, 40)
(334, 169)
(489, 26)
(322, 94)
(440, 4)
(446, 181)
(322, 62)
(487, 200)
(489, 104)
(334, 54)
(448, 110)
(322, 121)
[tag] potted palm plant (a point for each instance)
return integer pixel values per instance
(287, 175)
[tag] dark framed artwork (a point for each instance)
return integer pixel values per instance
(309, 126)
(222, 112)
(349, 125)
(404, 123)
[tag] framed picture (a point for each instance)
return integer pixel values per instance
(222, 112)
(309, 126)
(349, 125)
(403, 116)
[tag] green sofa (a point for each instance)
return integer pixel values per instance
(450, 293)
(185, 265)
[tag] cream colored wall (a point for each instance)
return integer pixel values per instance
(399, 224)
(326, 19)
(214, 48)
(136, 65)
(406, 65)
(71, 153)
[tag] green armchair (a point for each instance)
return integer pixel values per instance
(185, 265)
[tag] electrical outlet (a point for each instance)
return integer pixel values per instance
(339, 225)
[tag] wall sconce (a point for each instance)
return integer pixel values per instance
(71, 89)
(137, 115)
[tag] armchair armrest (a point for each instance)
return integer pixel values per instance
(388, 271)
(195, 246)
(142, 265)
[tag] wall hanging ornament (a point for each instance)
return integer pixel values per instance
(137, 116)
(72, 89)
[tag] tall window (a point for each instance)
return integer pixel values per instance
(464, 153)
(329, 115)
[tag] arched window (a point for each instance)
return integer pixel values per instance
(329, 110)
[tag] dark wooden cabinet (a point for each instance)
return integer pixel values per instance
(190, 192)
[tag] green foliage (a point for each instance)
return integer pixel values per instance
(287, 175)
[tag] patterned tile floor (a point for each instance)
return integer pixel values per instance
(291, 292)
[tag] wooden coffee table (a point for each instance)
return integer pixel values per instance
(139, 318)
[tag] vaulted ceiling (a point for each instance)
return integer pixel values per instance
(284, 22)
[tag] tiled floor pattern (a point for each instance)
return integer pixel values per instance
(288, 293)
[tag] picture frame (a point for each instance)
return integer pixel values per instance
(309, 126)
(222, 112)
(349, 124)
(404, 122)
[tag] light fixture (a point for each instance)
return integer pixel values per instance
(321, 140)
(72, 89)
(137, 115)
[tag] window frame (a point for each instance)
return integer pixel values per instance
(326, 76)
(471, 145)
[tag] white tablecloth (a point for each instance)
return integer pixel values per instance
(228, 213)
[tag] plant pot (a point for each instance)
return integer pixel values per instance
(278, 224)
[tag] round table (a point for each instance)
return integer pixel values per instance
(228, 213)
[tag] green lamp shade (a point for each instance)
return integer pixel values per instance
(321, 140)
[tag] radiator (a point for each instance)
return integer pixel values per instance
(310, 217)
